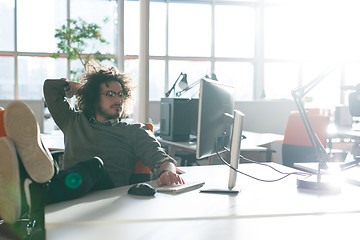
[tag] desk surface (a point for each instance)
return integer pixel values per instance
(342, 132)
(261, 210)
(53, 141)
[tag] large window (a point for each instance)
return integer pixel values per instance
(302, 39)
(265, 48)
(197, 38)
(7, 25)
(36, 23)
(27, 40)
(237, 39)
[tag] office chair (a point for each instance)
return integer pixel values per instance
(296, 145)
(142, 172)
(2, 126)
(354, 102)
(354, 108)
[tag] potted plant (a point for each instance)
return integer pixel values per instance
(74, 38)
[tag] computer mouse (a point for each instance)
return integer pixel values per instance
(142, 189)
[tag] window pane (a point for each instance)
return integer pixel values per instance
(280, 80)
(132, 27)
(96, 11)
(195, 70)
(352, 74)
(34, 70)
(234, 31)
(281, 33)
(156, 80)
(37, 20)
(239, 75)
(77, 67)
(6, 25)
(157, 29)
(326, 94)
(7, 83)
(189, 29)
(132, 68)
(292, 30)
(352, 79)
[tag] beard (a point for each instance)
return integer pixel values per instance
(108, 114)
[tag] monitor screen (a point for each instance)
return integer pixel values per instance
(219, 125)
(214, 129)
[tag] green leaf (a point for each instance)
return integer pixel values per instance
(73, 38)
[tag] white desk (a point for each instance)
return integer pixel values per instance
(342, 132)
(53, 141)
(260, 211)
(254, 142)
(343, 138)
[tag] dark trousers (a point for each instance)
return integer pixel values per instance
(71, 183)
(76, 181)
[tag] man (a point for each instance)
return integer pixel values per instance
(104, 98)
(100, 150)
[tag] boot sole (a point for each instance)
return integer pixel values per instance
(10, 193)
(22, 127)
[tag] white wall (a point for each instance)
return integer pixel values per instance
(260, 116)
(266, 116)
(154, 111)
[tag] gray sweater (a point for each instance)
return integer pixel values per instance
(119, 145)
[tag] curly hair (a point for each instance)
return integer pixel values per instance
(89, 93)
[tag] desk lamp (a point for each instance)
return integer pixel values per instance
(185, 87)
(298, 94)
(184, 77)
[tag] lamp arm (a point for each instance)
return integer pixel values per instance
(178, 94)
(167, 94)
(314, 139)
(298, 94)
(302, 91)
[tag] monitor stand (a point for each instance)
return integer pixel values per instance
(220, 191)
(236, 135)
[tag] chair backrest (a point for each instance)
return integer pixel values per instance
(295, 132)
(297, 146)
(140, 167)
(2, 126)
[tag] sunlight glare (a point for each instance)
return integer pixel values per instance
(328, 30)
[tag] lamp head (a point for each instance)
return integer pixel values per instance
(213, 76)
(184, 77)
(183, 82)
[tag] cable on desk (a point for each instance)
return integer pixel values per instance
(264, 164)
(259, 179)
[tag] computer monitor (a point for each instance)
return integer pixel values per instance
(219, 125)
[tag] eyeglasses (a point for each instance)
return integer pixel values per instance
(112, 94)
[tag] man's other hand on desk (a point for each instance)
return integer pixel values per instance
(169, 178)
